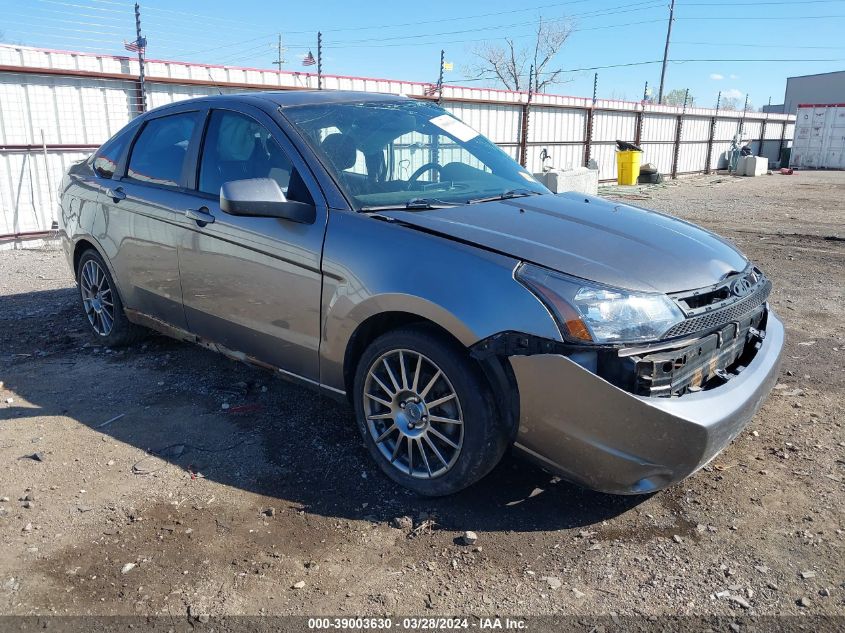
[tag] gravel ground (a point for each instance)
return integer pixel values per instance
(272, 505)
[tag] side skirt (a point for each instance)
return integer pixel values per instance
(179, 334)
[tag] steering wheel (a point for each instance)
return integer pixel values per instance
(419, 172)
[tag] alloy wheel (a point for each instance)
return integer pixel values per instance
(413, 414)
(97, 298)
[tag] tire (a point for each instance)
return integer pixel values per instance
(101, 304)
(436, 467)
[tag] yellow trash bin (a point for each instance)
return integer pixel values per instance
(628, 167)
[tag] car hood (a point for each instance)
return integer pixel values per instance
(608, 242)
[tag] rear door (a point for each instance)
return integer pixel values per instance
(145, 218)
(253, 284)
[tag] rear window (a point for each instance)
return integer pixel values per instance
(159, 153)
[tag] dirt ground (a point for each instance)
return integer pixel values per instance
(101, 526)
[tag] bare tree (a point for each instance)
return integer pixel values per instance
(676, 98)
(729, 103)
(510, 64)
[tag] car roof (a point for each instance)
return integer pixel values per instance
(289, 98)
(310, 97)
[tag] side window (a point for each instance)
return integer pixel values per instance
(237, 147)
(159, 153)
(105, 160)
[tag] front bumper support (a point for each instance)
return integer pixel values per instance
(579, 425)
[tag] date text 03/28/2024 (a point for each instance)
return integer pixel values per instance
(415, 624)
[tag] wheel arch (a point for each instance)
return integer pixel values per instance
(84, 243)
(79, 248)
(495, 370)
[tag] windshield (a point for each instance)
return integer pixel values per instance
(408, 154)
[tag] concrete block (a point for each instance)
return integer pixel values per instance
(752, 166)
(580, 179)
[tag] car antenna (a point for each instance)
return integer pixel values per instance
(208, 70)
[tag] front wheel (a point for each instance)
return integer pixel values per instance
(426, 412)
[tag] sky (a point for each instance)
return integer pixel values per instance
(712, 42)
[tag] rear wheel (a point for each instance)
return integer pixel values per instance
(101, 303)
(426, 413)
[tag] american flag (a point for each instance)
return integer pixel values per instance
(309, 60)
(136, 46)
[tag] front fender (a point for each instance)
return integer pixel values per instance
(372, 266)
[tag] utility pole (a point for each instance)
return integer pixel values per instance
(595, 87)
(319, 60)
(440, 77)
(666, 51)
(645, 92)
(281, 57)
(139, 40)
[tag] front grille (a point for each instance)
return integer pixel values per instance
(718, 318)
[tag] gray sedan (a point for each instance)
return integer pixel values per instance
(381, 251)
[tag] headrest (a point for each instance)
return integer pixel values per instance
(236, 140)
(340, 150)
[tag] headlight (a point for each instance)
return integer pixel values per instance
(594, 313)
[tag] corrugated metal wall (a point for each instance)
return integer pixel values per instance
(820, 137)
(65, 104)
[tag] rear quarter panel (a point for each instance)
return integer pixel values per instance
(79, 202)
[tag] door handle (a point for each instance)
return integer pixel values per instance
(201, 216)
(117, 194)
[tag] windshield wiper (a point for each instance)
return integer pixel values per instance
(415, 204)
(507, 195)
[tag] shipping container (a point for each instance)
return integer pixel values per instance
(819, 137)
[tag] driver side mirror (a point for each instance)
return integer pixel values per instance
(263, 198)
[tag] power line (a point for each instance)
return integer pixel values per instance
(791, 18)
(758, 4)
(438, 42)
(82, 6)
(70, 37)
(58, 28)
(780, 46)
(103, 19)
(230, 23)
(743, 60)
(610, 11)
(361, 43)
(219, 46)
(673, 61)
(380, 26)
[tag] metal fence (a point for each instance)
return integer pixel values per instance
(56, 107)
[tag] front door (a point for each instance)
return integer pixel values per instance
(253, 284)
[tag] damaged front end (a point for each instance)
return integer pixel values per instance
(719, 330)
(635, 417)
(723, 329)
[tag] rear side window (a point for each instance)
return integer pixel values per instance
(106, 158)
(159, 153)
